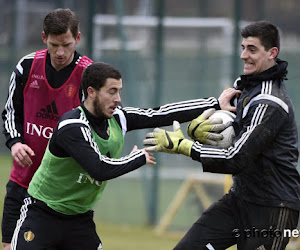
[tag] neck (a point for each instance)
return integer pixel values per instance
(89, 106)
(273, 63)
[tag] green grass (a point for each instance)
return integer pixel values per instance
(126, 237)
(5, 167)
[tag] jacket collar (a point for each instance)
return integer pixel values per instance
(278, 71)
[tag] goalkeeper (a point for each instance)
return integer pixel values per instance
(264, 199)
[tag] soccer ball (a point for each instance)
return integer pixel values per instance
(228, 133)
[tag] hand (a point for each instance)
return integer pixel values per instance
(150, 159)
(201, 128)
(21, 154)
(161, 140)
(225, 98)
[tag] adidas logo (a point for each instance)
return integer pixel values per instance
(34, 85)
(50, 112)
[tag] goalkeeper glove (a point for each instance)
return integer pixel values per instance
(200, 128)
(161, 140)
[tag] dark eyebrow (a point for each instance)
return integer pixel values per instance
(115, 89)
(249, 46)
(55, 44)
(252, 46)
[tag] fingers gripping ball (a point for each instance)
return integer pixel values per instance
(206, 129)
(161, 140)
(228, 133)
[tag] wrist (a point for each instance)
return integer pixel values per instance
(12, 142)
(218, 105)
(185, 147)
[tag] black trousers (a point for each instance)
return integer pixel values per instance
(40, 227)
(232, 221)
(13, 202)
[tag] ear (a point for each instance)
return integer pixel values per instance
(273, 52)
(44, 37)
(78, 37)
(91, 92)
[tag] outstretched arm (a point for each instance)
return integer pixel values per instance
(75, 140)
(184, 111)
(172, 142)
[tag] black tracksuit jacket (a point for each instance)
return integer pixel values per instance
(264, 157)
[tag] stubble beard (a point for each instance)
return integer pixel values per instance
(98, 110)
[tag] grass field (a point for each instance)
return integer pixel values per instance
(117, 237)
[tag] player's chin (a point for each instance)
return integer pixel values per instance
(249, 70)
(60, 61)
(109, 115)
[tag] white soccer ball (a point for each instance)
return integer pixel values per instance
(228, 133)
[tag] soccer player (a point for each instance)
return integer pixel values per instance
(44, 85)
(264, 200)
(82, 155)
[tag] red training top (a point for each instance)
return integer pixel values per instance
(43, 106)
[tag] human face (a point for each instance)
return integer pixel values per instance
(61, 48)
(256, 58)
(107, 98)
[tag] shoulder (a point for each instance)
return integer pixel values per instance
(25, 63)
(77, 57)
(273, 93)
(82, 61)
(27, 59)
(119, 111)
(120, 116)
(73, 118)
(268, 94)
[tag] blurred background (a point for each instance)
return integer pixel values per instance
(167, 51)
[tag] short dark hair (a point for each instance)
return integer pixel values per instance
(59, 21)
(266, 32)
(95, 75)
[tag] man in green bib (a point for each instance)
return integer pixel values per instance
(84, 153)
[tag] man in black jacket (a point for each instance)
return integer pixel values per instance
(262, 207)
